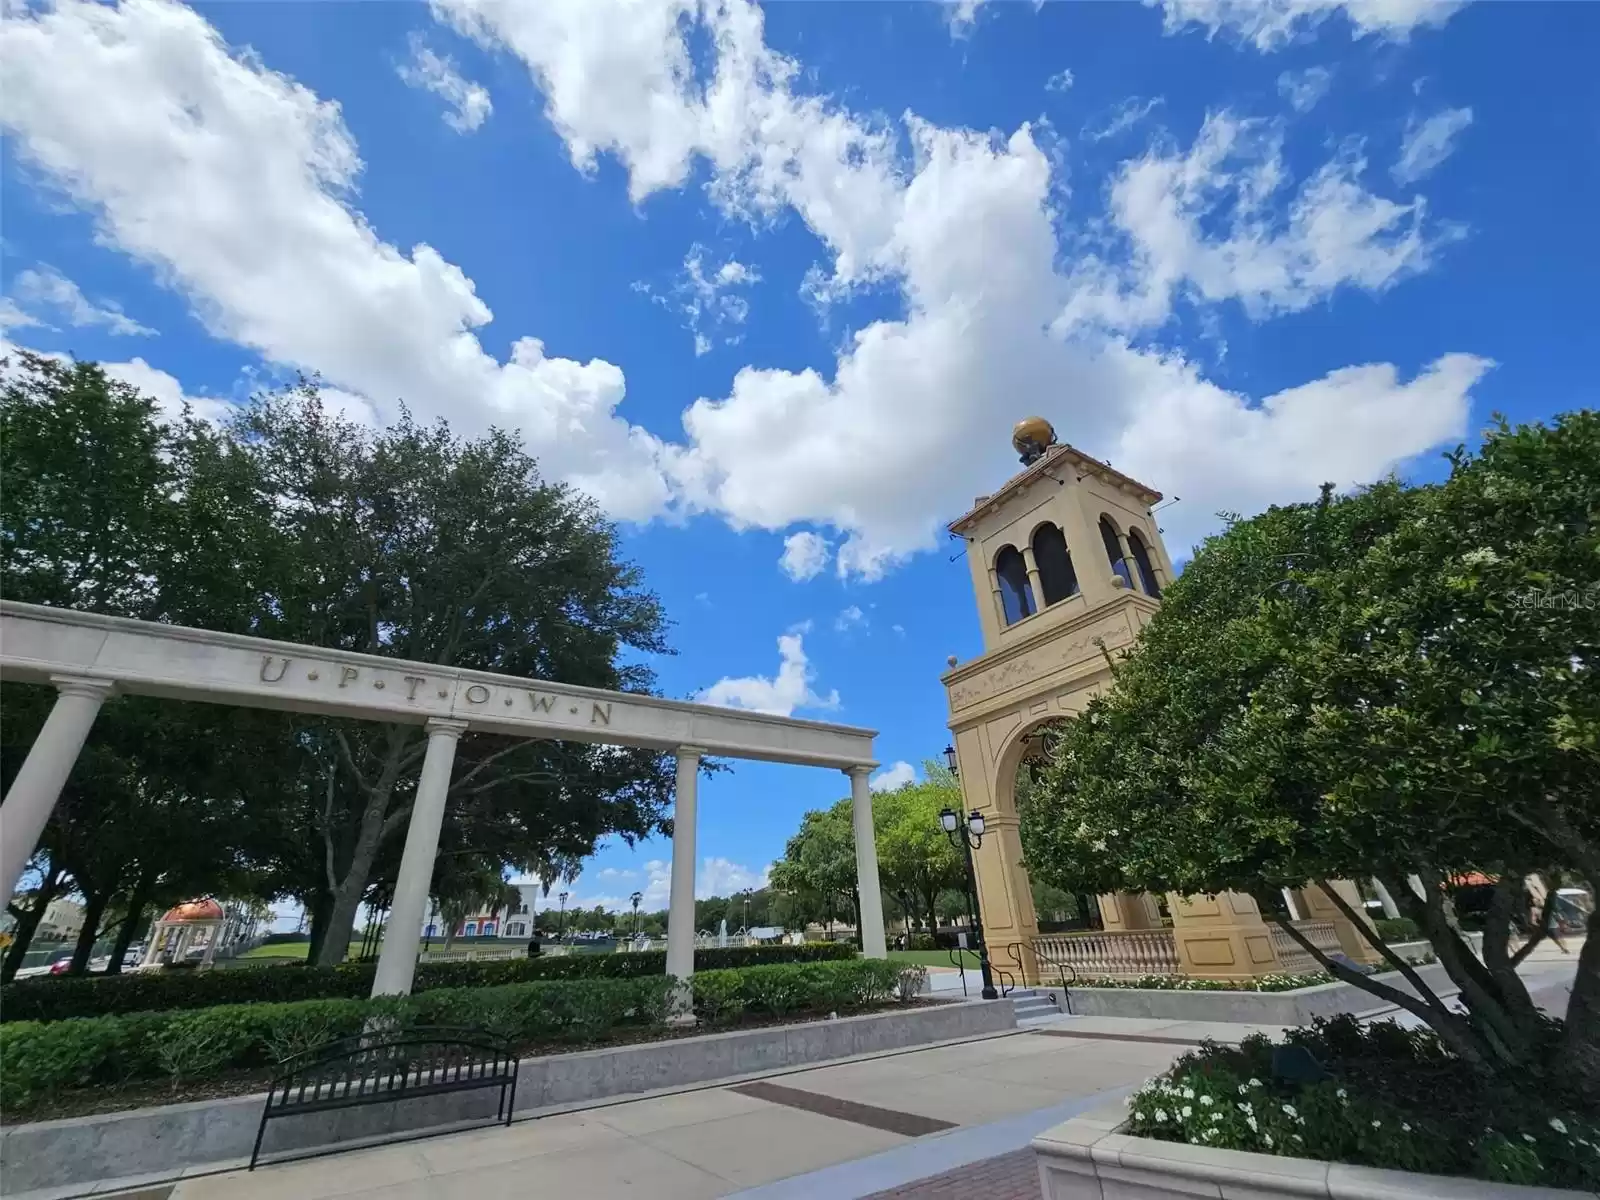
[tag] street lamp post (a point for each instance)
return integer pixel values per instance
(561, 919)
(636, 897)
(969, 835)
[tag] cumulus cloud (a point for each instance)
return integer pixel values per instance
(895, 775)
(468, 103)
(237, 185)
(805, 555)
(707, 300)
(1302, 89)
(43, 294)
(779, 694)
(1272, 24)
(1428, 143)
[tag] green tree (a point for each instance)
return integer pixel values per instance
(1369, 686)
(415, 543)
(818, 868)
(916, 860)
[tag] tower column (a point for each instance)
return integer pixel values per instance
(1035, 585)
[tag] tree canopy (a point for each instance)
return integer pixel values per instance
(293, 522)
(1394, 683)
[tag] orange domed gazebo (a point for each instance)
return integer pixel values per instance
(185, 927)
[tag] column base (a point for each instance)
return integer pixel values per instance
(1221, 937)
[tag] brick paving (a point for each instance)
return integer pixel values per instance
(1011, 1176)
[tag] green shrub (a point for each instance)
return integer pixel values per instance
(1184, 983)
(54, 998)
(42, 1059)
(1397, 929)
(1394, 1098)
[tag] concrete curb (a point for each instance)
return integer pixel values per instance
(1090, 1158)
(79, 1154)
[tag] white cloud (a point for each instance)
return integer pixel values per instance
(1123, 118)
(238, 186)
(469, 103)
(779, 694)
(962, 15)
(43, 289)
(1060, 81)
(900, 630)
(157, 384)
(849, 618)
(1207, 223)
(707, 301)
(1428, 143)
(1302, 89)
(805, 554)
(1271, 24)
(895, 775)
(235, 184)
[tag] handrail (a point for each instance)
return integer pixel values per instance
(1005, 988)
(957, 962)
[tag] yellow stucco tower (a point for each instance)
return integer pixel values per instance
(1067, 563)
(1067, 566)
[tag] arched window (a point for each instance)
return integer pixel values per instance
(1119, 565)
(1016, 597)
(1141, 559)
(1056, 576)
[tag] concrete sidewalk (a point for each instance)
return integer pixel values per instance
(866, 1126)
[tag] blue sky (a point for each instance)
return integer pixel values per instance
(773, 284)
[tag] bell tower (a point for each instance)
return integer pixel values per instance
(1066, 563)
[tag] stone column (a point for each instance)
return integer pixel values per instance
(1125, 911)
(1292, 903)
(1318, 907)
(1390, 909)
(1035, 584)
(680, 904)
(1221, 937)
(153, 946)
(397, 960)
(998, 598)
(44, 772)
(870, 918)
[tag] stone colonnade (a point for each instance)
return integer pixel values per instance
(88, 658)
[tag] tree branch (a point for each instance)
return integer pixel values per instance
(1428, 1010)
(1394, 960)
(349, 761)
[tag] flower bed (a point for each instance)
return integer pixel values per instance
(1392, 1098)
(1183, 983)
(192, 1049)
(55, 998)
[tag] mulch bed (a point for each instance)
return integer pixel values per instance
(147, 1093)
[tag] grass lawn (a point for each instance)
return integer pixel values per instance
(933, 958)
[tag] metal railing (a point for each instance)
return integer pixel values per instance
(1117, 954)
(1292, 958)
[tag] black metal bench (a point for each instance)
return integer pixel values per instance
(385, 1066)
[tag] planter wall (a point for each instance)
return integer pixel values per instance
(1087, 1158)
(1254, 1008)
(216, 1134)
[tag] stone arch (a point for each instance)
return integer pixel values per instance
(1021, 742)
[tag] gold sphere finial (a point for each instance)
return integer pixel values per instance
(1031, 437)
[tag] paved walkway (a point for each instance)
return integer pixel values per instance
(843, 1131)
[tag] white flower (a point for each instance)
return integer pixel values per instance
(1251, 1121)
(1527, 1137)
(1206, 1100)
(1558, 1125)
(1481, 557)
(1188, 1093)
(1341, 1093)
(1243, 1089)
(1254, 1082)
(1161, 1114)
(1267, 1138)
(1297, 1137)
(1377, 1124)
(1208, 1133)
(1187, 1111)
(1404, 1128)
(1289, 1109)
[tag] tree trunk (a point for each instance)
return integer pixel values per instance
(137, 903)
(28, 924)
(1581, 1039)
(320, 909)
(93, 909)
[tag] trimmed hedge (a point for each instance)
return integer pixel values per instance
(1397, 929)
(40, 1060)
(55, 998)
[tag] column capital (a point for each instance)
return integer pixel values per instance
(861, 769)
(83, 685)
(447, 726)
(690, 752)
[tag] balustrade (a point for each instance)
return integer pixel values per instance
(1120, 954)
